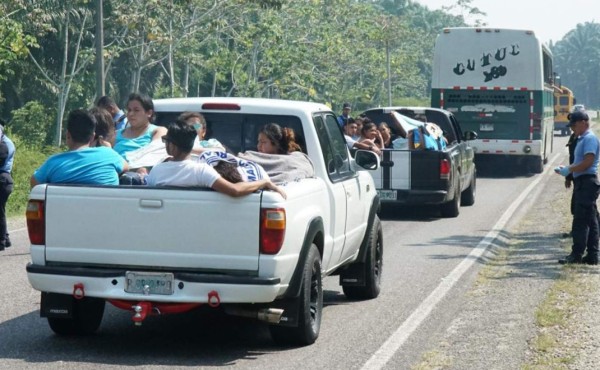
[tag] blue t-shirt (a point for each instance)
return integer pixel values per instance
(11, 155)
(587, 143)
(123, 145)
(91, 166)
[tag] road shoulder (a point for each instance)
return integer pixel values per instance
(498, 327)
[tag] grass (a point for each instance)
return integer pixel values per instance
(27, 160)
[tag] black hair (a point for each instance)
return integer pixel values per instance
(181, 135)
(144, 100)
(283, 138)
(105, 102)
(81, 125)
(228, 171)
(105, 126)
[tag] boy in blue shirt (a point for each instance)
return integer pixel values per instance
(82, 164)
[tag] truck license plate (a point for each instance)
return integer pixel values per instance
(486, 127)
(387, 194)
(149, 282)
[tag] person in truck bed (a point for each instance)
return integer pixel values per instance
(82, 164)
(280, 155)
(181, 170)
(202, 141)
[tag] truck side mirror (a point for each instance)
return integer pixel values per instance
(367, 159)
(470, 135)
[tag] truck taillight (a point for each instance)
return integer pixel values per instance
(36, 222)
(272, 230)
(444, 169)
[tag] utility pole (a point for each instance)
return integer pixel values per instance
(389, 73)
(99, 50)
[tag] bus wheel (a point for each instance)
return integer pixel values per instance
(537, 165)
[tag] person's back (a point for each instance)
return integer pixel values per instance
(82, 164)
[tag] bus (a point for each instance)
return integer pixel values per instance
(563, 105)
(499, 84)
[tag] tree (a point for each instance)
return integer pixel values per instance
(577, 61)
(67, 26)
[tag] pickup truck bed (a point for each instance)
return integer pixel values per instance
(414, 176)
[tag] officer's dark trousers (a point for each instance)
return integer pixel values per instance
(585, 215)
(6, 187)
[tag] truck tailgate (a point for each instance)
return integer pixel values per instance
(136, 222)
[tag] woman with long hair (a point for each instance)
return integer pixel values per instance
(139, 131)
(274, 139)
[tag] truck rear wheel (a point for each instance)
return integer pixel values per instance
(372, 267)
(309, 303)
(468, 196)
(87, 316)
(452, 208)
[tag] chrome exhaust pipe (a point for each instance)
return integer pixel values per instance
(270, 315)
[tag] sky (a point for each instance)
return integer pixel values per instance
(549, 19)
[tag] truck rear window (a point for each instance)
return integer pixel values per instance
(239, 132)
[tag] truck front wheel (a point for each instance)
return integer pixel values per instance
(86, 318)
(309, 304)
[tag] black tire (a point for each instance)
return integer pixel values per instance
(452, 208)
(468, 196)
(537, 165)
(310, 306)
(87, 316)
(373, 266)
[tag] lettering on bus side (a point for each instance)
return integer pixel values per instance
(490, 69)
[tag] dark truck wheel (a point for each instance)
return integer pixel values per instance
(452, 208)
(310, 306)
(372, 267)
(467, 198)
(87, 316)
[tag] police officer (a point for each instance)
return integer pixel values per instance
(586, 188)
(7, 154)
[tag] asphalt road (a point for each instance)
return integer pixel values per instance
(429, 266)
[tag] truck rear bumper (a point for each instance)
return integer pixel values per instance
(188, 286)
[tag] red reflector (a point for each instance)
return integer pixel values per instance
(272, 230)
(221, 106)
(36, 226)
(444, 169)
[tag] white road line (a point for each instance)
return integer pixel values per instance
(17, 230)
(397, 339)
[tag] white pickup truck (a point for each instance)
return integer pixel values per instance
(164, 250)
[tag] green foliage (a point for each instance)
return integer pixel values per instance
(577, 62)
(32, 123)
(27, 159)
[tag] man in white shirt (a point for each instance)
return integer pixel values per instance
(181, 170)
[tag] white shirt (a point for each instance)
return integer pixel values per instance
(182, 173)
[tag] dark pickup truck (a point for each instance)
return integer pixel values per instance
(408, 176)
